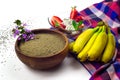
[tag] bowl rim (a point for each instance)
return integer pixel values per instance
(54, 31)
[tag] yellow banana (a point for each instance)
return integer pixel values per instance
(82, 56)
(98, 46)
(83, 39)
(71, 45)
(110, 48)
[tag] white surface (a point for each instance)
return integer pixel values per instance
(35, 13)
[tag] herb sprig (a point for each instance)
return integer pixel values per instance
(23, 33)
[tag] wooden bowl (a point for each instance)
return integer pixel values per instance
(43, 62)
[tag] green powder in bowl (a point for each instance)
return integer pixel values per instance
(44, 44)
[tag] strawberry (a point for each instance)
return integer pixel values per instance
(78, 18)
(57, 22)
(73, 13)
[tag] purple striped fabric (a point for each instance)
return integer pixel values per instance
(109, 12)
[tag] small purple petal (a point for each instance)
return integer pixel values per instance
(17, 27)
(24, 24)
(17, 32)
(31, 36)
(19, 38)
(26, 30)
(24, 36)
(27, 38)
(14, 35)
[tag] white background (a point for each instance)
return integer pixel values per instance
(35, 13)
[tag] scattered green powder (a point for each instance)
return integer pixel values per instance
(44, 44)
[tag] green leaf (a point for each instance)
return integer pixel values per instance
(21, 27)
(57, 24)
(18, 22)
(22, 31)
(74, 25)
(79, 23)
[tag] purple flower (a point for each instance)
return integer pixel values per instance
(31, 36)
(24, 24)
(19, 38)
(17, 27)
(26, 30)
(23, 33)
(26, 39)
(24, 36)
(16, 32)
(27, 36)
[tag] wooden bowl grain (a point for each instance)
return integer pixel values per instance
(46, 62)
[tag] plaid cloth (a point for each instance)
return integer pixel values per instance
(109, 12)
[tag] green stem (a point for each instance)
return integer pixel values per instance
(99, 29)
(96, 28)
(109, 31)
(104, 28)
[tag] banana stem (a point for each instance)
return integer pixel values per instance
(104, 29)
(99, 29)
(95, 29)
(109, 31)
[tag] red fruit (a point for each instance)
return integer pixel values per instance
(57, 22)
(62, 26)
(78, 18)
(73, 13)
(52, 23)
(56, 19)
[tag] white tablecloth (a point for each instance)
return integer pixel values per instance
(35, 13)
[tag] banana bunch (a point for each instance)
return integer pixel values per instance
(94, 44)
